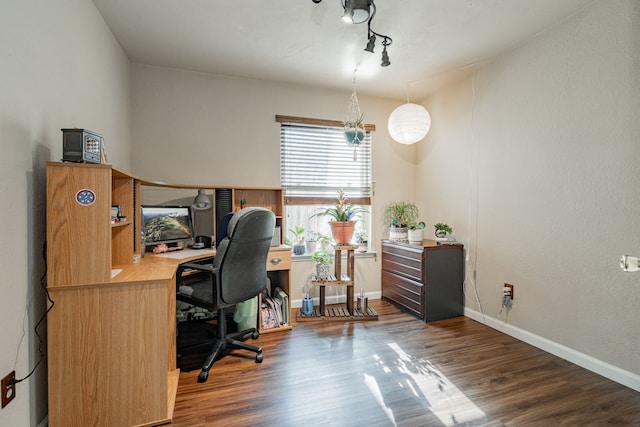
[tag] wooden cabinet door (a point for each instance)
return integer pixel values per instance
(78, 224)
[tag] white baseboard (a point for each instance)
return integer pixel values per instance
(614, 373)
(335, 299)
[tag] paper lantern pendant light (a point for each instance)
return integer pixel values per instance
(409, 123)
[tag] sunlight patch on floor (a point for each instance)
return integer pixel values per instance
(372, 385)
(421, 381)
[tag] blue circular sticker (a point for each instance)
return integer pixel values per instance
(85, 197)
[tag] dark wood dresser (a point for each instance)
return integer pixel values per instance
(424, 280)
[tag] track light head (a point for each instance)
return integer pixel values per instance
(347, 17)
(371, 44)
(356, 11)
(385, 57)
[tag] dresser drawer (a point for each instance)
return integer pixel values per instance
(404, 261)
(404, 292)
(279, 259)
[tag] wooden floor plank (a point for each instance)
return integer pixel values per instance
(399, 371)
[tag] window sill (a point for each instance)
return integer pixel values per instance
(307, 257)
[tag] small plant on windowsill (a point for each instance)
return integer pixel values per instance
(312, 241)
(298, 240)
(326, 243)
(361, 238)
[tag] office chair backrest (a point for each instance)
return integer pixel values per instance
(221, 231)
(242, 255)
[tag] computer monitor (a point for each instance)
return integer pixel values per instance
(166, 224)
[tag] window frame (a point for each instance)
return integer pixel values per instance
(296, 202)
(320, 200)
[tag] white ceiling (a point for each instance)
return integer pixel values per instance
(298, 41)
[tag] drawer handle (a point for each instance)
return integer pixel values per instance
(275, 261)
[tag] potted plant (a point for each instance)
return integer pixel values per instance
(312, 241)
(325, 241)
(397, 216)
(298, 240)
(442, 230)
(354, 130)
(343, 219)
(323, 261)
(415, 233)
(361, 238)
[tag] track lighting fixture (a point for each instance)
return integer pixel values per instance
(372, 44)
(385, 57)
(358, 12)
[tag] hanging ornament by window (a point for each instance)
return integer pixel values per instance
(354, 131)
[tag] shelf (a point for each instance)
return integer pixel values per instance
(280, 328)
(332, 281)
(337, 313)
(120, 224)
(341, 312)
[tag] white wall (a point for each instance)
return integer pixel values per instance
(59, 67)
(536, 163)
(199, 128)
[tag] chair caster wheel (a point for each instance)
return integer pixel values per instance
(203, 376)
(259, 358)
(255, 335)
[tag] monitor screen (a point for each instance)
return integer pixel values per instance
(166, 224)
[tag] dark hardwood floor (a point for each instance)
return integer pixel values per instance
(398, 371)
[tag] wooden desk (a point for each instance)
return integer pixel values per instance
(112, 347)
(111, 339)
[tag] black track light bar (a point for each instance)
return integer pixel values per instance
(349, 7)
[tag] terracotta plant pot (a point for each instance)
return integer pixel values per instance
(342, 231)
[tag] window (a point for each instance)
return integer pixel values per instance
(315, 162)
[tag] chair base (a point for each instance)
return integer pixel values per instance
(215, 347)
(220, 347)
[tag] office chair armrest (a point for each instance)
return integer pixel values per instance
(187, 266)
(191, 266)
(189, 278)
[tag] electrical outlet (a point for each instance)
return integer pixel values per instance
(507, 296)
(506, 285)
(8, 388)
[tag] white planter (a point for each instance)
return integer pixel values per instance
(415, 236)
(323, 270)
(311, 246)
(398, 234)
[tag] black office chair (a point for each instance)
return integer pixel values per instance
(237, 274)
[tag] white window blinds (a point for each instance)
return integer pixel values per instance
(316, 161)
